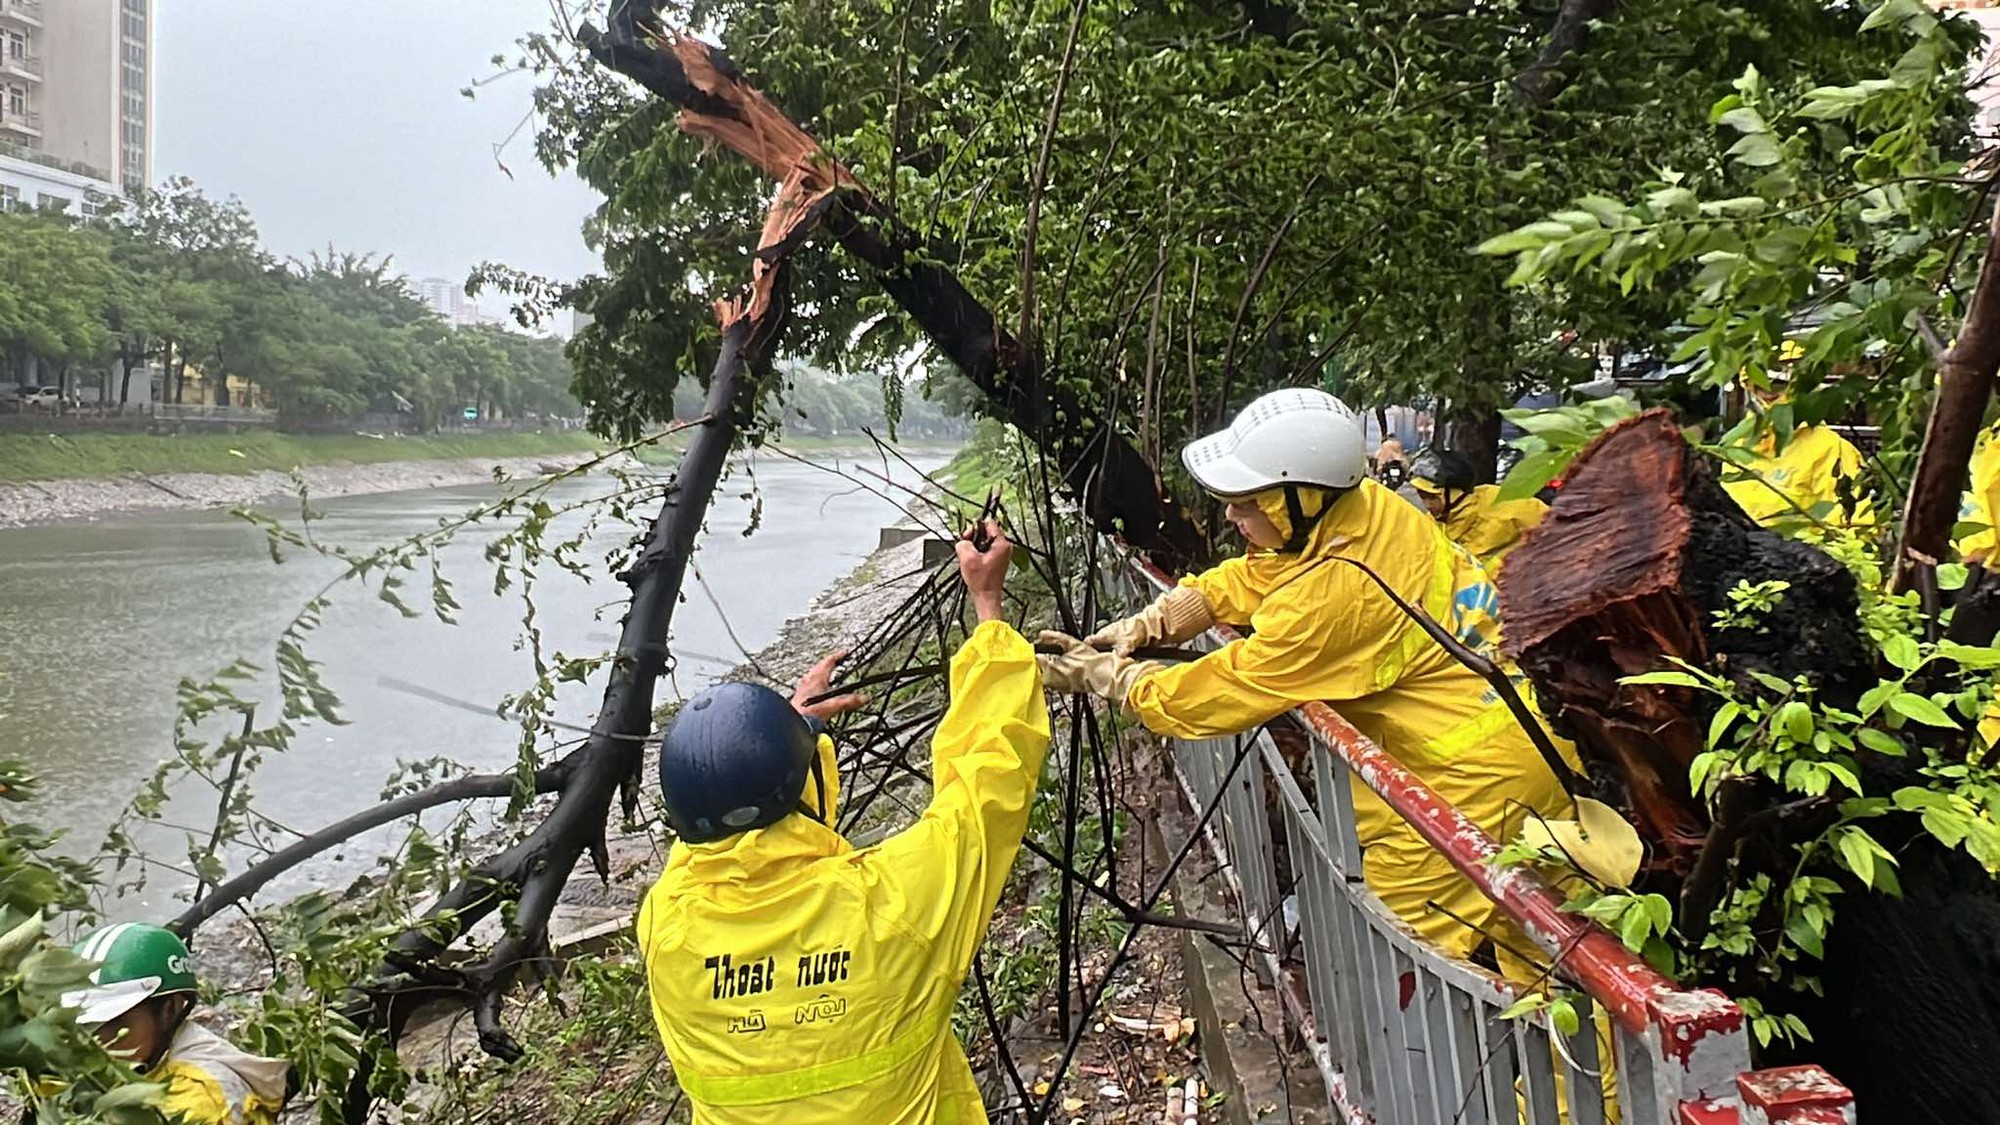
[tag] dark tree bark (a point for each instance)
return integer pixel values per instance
(1475, 432)
(1637, 553)
(1539, 84)
(1639, 549)
(1118, 488)
(1965, 382)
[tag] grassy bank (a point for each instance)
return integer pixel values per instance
(69, 456)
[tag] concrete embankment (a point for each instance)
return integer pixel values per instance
(48, 501)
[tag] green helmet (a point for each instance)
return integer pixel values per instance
(136, 962)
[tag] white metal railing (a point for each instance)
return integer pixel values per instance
(1404, 1035)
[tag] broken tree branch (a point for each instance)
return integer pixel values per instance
(718, 105)
(256, 876)
(1542, 80)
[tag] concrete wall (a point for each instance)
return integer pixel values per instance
(79, 96)
(35, 182)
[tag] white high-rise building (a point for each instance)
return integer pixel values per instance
(1983, 75)
(76, 93)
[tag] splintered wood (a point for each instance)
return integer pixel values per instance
(1595, 594)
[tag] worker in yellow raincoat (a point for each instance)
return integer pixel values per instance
(1473, 515)
(138, 1002)
(794, 977)
(1982, 501)
(1981, 506)
(1293, 470)
(1780, 485)
(1816, 466)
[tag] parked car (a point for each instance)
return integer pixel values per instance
(48, 398)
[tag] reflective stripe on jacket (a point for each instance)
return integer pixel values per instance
(786, 966)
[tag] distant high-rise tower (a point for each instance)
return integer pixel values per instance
(76, 101)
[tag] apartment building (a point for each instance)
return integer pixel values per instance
(76, 83)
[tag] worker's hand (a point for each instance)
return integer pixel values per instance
(818, 682)
(1177, 615)
(1079, 668)
(985, 572)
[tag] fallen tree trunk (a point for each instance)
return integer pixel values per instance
(533, 872)
(1638, 552)
(1119, 489)
(1640, 549)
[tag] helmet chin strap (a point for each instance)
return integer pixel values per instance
(1302, 524)
(818, 811)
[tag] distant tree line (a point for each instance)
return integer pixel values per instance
(179, 282)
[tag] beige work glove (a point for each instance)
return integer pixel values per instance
(1175, 616)
(1079, 668)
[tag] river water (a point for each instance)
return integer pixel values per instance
(99, 621)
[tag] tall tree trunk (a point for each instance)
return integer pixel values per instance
(1965, 383)
(1475, 432)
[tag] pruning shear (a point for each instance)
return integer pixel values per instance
(982, 540)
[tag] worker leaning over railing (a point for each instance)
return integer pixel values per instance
(1292, 469)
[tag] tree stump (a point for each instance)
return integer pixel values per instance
(1639, 550)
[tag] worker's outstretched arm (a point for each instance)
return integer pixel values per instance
(1314, 642)
(948, 869)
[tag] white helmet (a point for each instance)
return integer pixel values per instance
(1293, 436)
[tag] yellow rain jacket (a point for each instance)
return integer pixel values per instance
(211, 1082)
(1489, 527)
(1325, 631)
(1982, 501)
(1805, 474)
(788, 967)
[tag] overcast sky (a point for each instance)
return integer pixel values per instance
(343, 122)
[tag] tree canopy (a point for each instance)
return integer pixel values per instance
(181, 280)
(1187, 204)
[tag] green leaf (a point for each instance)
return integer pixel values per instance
(1634, 926)
(1756, 150)
(1913, 706)
(1970, 656)
(1563, 1017)
(128, 1096)
(1516, 241)
(1858, 856)
(1661, 911)
(1533, 472)
(1896, 11)
(1873, 699)
(1902, 650)
(1796, 721)
(1527, 1005)
(1725, 716)
(1673, 679)
(1744, 119)
(1803, 935)
(1608, 211)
